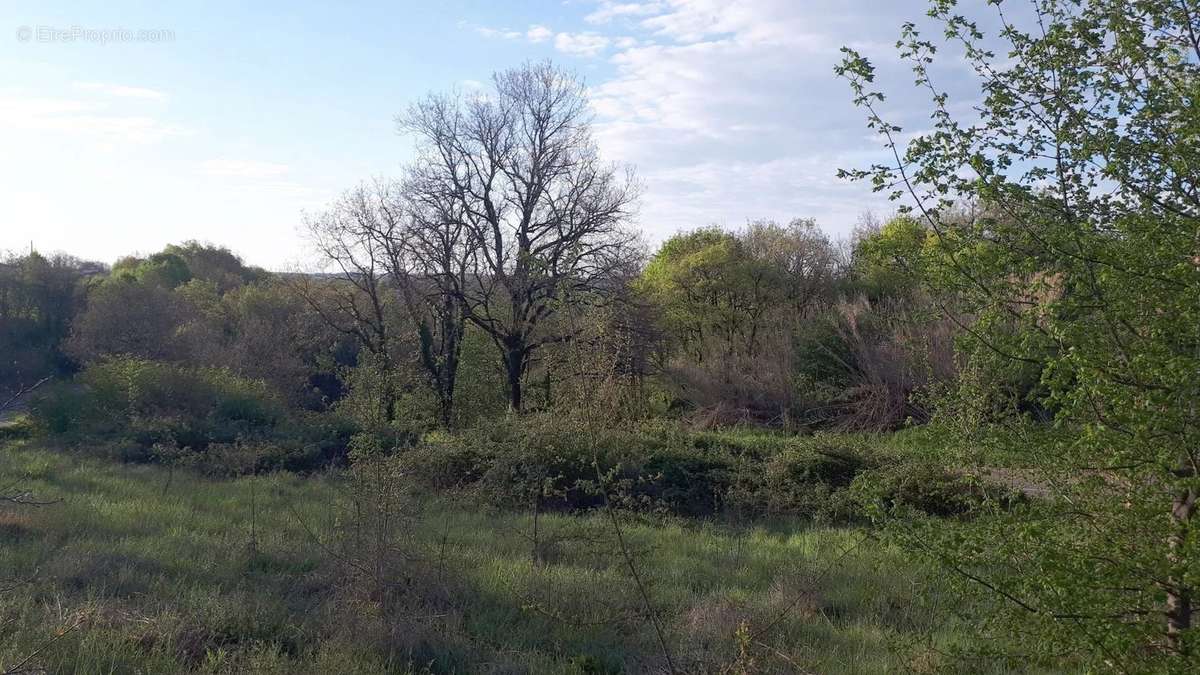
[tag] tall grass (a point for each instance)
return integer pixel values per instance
(132, 572)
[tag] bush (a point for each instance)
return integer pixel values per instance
(136, 387)
(137, 405)
(930, 489)
(443, 462)
(802, 480)
(554, 465)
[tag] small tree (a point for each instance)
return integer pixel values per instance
(517, 170)
(353, 297)
(1082, 262)
(732, 304)
(393, 248)
(39, 297)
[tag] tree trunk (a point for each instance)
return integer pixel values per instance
(1179, 595)
(389, 397)
(446, 409)
(514, 362)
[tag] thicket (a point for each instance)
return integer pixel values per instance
(550, 464)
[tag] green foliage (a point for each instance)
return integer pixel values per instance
(177, 264)
(136, 407)
(39, 297)
(710, 286)
(163, 270)
(809, 482)
(549, 464)
(480, 383)
(148, 399)
(215, 265)
(929, 488)
(884, 258)
(386, 405)
(1075, 264)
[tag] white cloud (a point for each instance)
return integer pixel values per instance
(498, 33)
(731, 110)
(608, 10)
(585, 44)
(244, 168)
(120, 91)
(581, 44)
(95, 122)
(539, 33)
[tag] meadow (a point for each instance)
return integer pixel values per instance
(146, 568)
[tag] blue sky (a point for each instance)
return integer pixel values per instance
(240, 118)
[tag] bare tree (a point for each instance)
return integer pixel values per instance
(518, 171)
(430, 263)
(355, 301)
(384, 244)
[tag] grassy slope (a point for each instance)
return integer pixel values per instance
(162, 578)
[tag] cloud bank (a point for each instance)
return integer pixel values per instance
(731, 111)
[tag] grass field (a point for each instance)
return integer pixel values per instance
(143, 569)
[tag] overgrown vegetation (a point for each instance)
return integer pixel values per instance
(359, 572)
(494, 434)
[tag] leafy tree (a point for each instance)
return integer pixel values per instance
(215, 264)
(713, 292)
(164, 269)
(39, 296)
(266, 332)
(805, 259)
(128, 317)
(731, 305)
(876, 253)
(1082, 262)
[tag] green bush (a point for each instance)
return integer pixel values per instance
(931, 489)
(442, 461)
(554, 465)
(136, 405)
(63, 408)
(129, 389)
(805, 480)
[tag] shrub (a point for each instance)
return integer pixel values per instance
(443, 462)
(137, 405)
(130, 390)
(62, 408)
(554, 465)
(550, 464)
(930, 489)
(802, 480)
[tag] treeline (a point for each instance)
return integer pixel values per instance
(498, 273)
(774, 325)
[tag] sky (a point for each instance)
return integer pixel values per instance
(126, 126)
